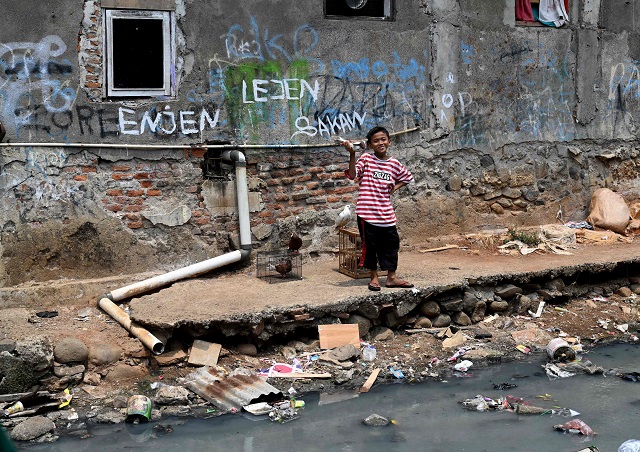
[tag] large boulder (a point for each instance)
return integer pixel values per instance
(70, 350)
(102, 354)
(37, 351)
(32, 428)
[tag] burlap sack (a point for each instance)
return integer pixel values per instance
(608, 211)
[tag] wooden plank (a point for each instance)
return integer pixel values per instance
(441, 248)
(372, 378)
(204, 353)
(299, 375)
(332, 336)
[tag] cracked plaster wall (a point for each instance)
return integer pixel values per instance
(515, 124)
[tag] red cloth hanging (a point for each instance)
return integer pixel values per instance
(523, 10)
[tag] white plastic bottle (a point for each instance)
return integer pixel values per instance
(369, 353)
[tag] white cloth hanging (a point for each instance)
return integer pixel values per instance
(553, 11)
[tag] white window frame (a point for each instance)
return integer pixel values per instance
(168, 33)
(389, 13)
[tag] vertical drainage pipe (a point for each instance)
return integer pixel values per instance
(242, 198)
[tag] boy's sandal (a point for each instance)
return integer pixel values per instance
(374, 287)
(400, 285)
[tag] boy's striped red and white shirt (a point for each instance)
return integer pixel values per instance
(377, 178)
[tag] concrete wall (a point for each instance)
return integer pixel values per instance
(515, 123)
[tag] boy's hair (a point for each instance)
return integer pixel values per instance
(375, 130)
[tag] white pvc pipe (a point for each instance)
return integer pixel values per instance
(183, 146)
(148, 339)
(167, 278)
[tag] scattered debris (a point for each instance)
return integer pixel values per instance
(204, 353)
(370, 381)
(575, 426)
(441, 248)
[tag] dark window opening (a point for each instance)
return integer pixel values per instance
(138, 54)
(211, 168)
(365, 9)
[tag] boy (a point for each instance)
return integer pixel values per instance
(379, 175)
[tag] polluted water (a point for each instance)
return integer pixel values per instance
(425, 416)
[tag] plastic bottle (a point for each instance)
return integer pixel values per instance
(369, 353)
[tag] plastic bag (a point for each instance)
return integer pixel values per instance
(631, 445)
(608, 210)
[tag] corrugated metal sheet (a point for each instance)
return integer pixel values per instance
(230, 392)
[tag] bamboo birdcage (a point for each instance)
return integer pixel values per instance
(350, 252)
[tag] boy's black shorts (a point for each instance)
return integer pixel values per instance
(380, 245)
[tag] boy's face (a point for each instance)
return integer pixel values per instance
(380, 142)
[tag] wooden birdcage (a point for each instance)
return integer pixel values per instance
(279, 266)
(349, 253)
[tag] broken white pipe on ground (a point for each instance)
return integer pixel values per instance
(242, 197)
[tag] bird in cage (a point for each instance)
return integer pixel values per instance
(294, 243)
(283, 267)
(344, 217)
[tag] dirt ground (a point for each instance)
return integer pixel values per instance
(601, 315)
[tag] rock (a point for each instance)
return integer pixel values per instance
(124, 372)
(635, 288)
(478, 312)
(555, 285)
(37, 351)
(460, 318)
(65, 371)
(103, 354)
(392, 320)
(441, 321)
(343, 376)
(247, 349)
(120, 402)
(171, 395)
(406, 305)
(288, 352)
(7, 345)
(521, 304)
(364, 324)
(469, 301)
(498, 306)
(298, 346)
(497, 208)
(507, 292)
(429, 309)
(343, 353)
(369, 310)
(381, 333)
(32, 428)
(170, 358)
(455, 183)
(55, 384)
(92, 378)
(451, 306)
(17, 375)
(623, 292)
(70, 350)
(110, 417)
(423, 322)
(375, 420)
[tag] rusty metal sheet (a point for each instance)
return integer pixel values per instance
(230, 391)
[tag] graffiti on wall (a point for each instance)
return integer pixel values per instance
(31, 76)
(535, 100)
(623, 99)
